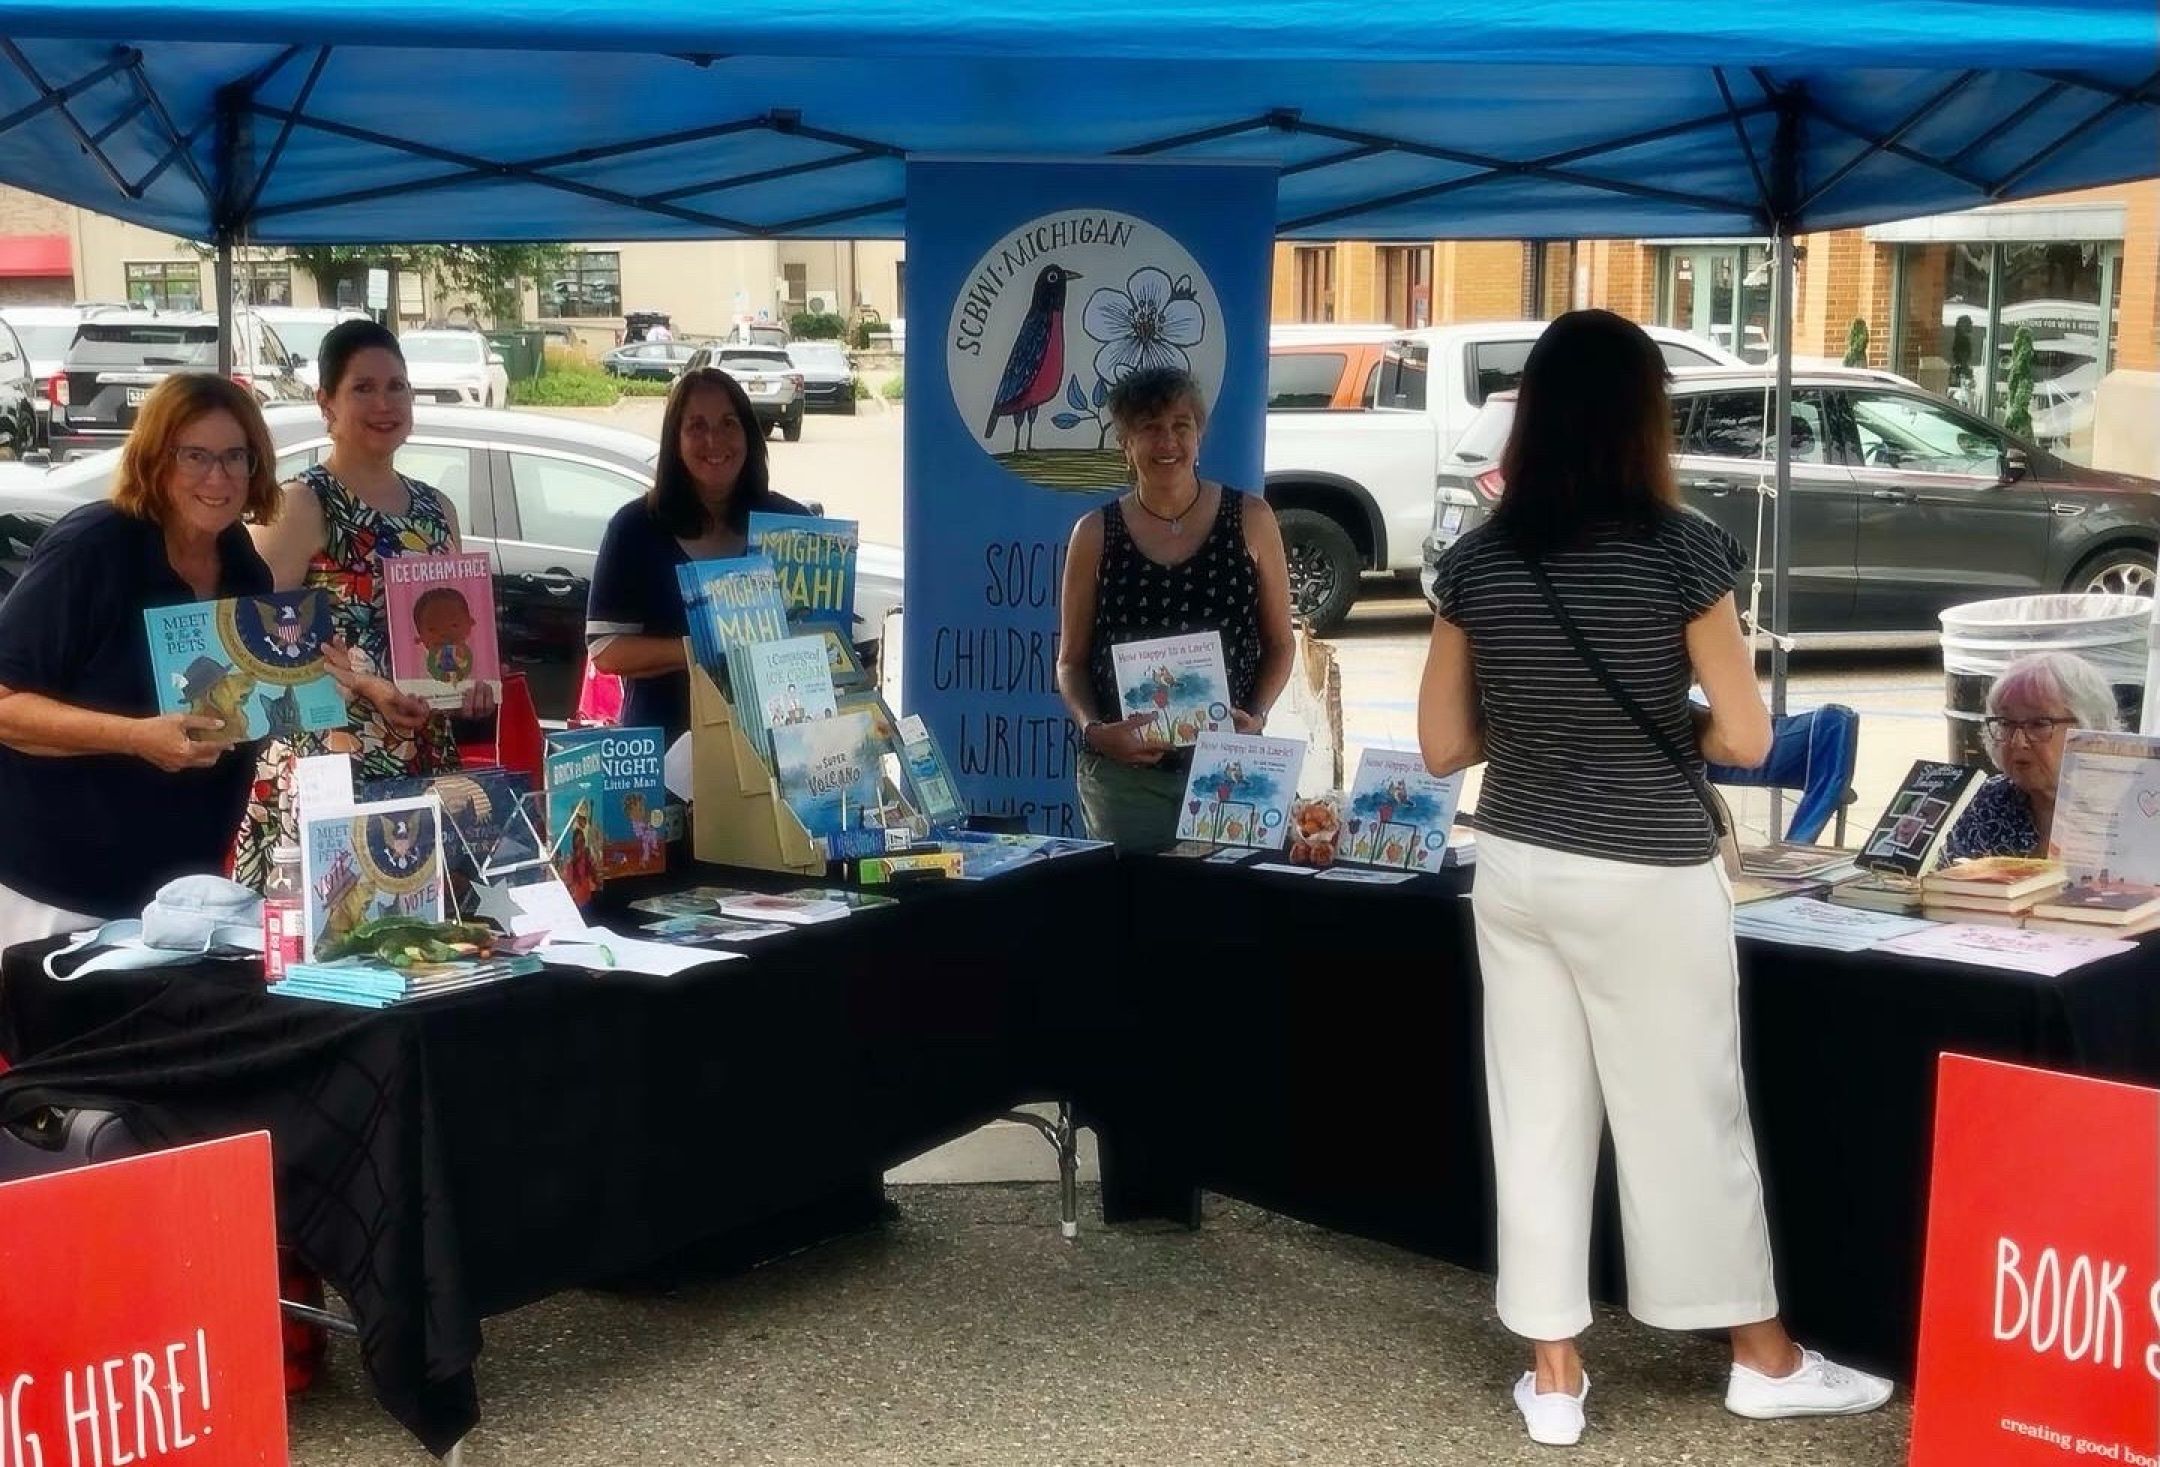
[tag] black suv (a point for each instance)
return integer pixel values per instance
(1904, 504)
(115, 361)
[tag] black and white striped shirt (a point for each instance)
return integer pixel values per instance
(1566, 768)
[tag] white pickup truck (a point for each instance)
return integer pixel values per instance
(1358, 420)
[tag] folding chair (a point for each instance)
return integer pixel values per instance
(1813, 753)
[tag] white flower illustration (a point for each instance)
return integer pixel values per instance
(1148, 324)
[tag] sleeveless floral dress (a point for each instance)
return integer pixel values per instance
(355, 538)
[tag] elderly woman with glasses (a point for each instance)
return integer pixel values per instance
(2030, 710)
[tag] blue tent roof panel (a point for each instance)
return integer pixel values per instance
(395, 120)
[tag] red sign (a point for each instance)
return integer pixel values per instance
(2040, 1322)
(138, 1313)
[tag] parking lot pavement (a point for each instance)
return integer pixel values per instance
(850, 465)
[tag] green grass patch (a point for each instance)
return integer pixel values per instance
(566, 386)
(895, 390)
(642, 387)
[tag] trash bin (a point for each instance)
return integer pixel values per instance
(1982, 638)
(524, 353)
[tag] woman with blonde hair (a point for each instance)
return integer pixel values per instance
(106, 798)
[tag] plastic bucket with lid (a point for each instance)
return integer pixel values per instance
(1982, 638)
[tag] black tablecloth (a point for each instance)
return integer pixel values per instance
(464, 1156)
(1311, 1046)
(1315, 1048)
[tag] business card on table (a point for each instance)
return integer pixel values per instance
(1367, 878)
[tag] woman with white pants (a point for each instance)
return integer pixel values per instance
(1570, 626)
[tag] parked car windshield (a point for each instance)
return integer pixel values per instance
(45, 342)
(144, 344)
(304, 338)
(459, 350)
(821, 354)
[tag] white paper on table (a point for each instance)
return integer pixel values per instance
(1810, 922)
(675, 769)
(1367, 878)
(546, 906)
(1284, 869)
(322, 784)
(2049, 954)
(604, 951)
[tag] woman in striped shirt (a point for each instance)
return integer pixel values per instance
(1570, 626)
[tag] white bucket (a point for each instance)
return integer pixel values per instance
(1981, 638)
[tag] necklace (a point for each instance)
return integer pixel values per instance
(1176, 522)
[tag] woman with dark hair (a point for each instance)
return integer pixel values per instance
(106, 798)
(711, 474)
(1175, 555)
(1569, 628)
(341, 518)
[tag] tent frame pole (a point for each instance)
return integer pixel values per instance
(1785, 195)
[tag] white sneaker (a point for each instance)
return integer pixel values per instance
(1555, 1418)
(1818, 1388)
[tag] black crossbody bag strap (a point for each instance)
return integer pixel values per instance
(1712, 805)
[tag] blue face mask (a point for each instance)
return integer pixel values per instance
(191, 918)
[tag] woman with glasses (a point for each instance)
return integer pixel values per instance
(106, 798)
(341, 517)
(2030, 710)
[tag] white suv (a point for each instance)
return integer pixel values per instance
(1359, 420)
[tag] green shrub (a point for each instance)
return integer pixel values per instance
(2017, 411)
(862, 390)
(642, 387)
(895, 390)
(861, 339)
(567, 384)
(1856, 343)
(817, 326)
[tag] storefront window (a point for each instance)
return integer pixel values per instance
(1961, 311)
(591, 285)
(168, 285)
(1720, 293)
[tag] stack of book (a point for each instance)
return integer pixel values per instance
(1788, 869)
(1908, 840)
(2098, 909)
(367, 984)
(1991, 891)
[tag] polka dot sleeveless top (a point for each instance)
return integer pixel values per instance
(1216, 589)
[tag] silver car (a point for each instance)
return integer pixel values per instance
(770, 378)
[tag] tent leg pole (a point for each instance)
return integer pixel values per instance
(1781, 517)
(225, 304)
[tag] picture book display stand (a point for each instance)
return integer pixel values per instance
(737, 817)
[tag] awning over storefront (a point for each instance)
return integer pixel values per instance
(35, 257)
(2016, 224)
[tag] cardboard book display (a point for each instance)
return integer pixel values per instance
(737, 816)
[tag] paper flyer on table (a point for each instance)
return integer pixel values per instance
(2049, 954)
(1809, 922)
(2107, 812)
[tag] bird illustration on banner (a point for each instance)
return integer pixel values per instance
(1035, 369)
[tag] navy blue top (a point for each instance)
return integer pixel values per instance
(1998, 822)
(634, 592)
(100, 833)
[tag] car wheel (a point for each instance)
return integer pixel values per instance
(2126, 570)
(1324, 568)
(791, 427)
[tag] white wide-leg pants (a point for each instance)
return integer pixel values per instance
(1611, 994)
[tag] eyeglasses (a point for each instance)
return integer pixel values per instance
(2033, 730)
(196, 463)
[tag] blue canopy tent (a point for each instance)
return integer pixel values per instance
(312, 121)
